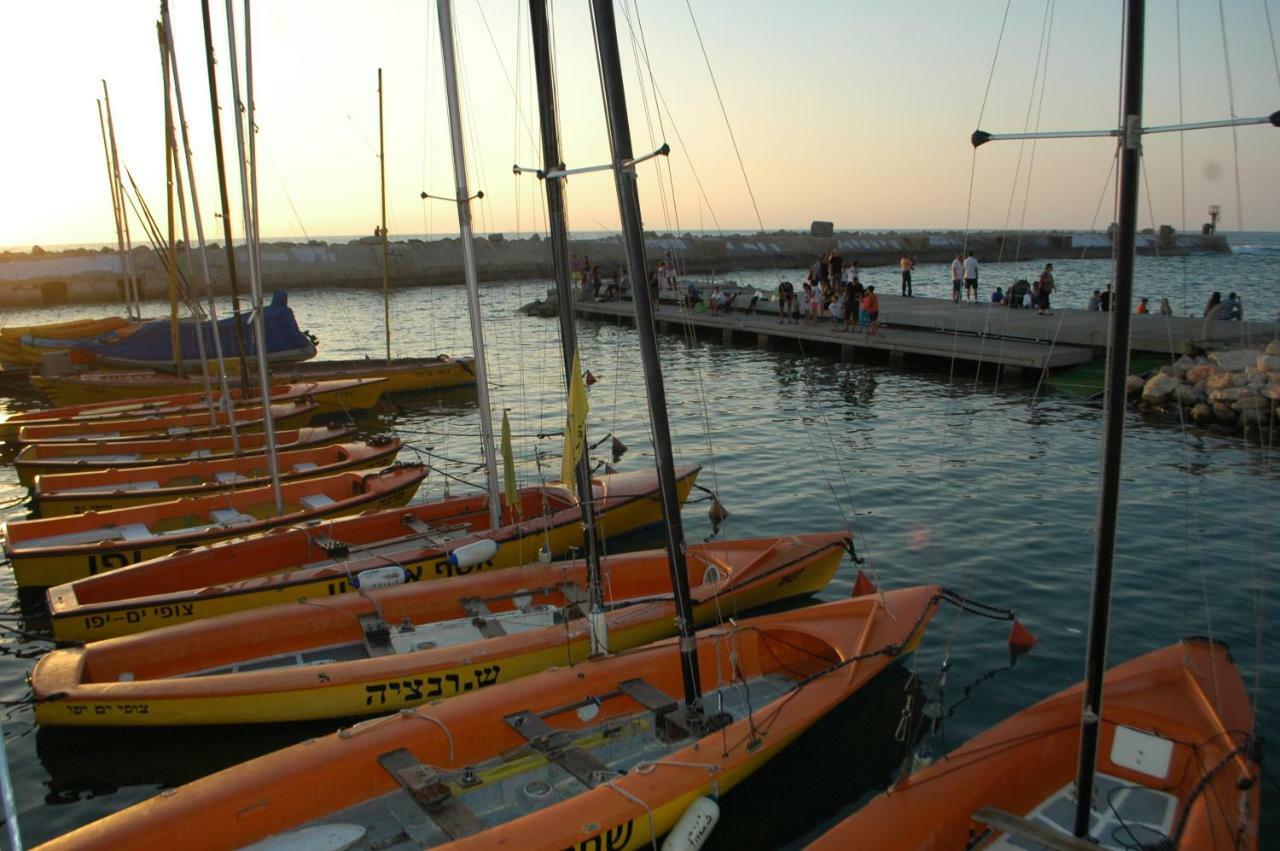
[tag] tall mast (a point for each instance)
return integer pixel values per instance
(222, 192)
(382, 182)
(248, 198)
(445, 9)
(115, 209)
(175, 339)
(131, 280)
(615, 103)
(227, 403)
(564, 299)
(1113, 413)
(171, 79)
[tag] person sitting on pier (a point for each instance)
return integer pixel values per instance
(871, 304)
(714, 300)
(1095, 301)
(1214, 301)
(786, 302)
(1104, 301)
(997, 297)
(1142, 306)
(1232, 308)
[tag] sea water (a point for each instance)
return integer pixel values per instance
(943, 476)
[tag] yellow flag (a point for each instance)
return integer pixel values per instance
(575, 427)
(509, 469)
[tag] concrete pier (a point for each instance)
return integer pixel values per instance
(924, 329)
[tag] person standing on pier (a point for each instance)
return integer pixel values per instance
(871, 307)
(836, 265)
(907, 265)
(1046, 290)
(1165, 309)
(787, 303)
(957, 278)
(971, 279)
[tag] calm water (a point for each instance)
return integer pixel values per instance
(953, 480)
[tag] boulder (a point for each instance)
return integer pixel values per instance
(1200, 372)
(1235, 359)
(1223, 413)
(1183, 365)
(1251, 403)
(1273, 348)
(1158, 388)
(1187, 395)
(1133, 385)
(1202, 413)
(1218, 379)
(1230, 394)
(1269, 363)
(1272, 391)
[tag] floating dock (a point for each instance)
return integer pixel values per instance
(930, 329)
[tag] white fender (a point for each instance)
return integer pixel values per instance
(379, 577)
(694, 827)
(469, 555)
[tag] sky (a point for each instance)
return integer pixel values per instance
(856, 112)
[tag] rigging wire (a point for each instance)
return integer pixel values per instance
(1231, 104)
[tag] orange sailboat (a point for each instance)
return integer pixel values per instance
(1176, 769)
(599, 754)
(396, 647)
(59, 549)
(104, 490)
(250, 418)
(349, 395)
(318, 560)
(37, 459)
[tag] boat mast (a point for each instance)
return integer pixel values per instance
(115, 209)
(227, 403)
(564, 299)
(615, 102)
(175, 339)
(382, 181)
(249, 198)
(1113, 413)
(171, 79)
(131, 280)
(445, 11)
(226, 205)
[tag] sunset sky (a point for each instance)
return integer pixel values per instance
(857, 112)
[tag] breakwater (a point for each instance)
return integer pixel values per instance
(87, 276)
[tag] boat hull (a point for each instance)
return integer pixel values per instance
(263, 571)
(107, 490)
(402, 376)
(47, 552)
(54, 458)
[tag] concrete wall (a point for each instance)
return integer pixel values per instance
(87, 277)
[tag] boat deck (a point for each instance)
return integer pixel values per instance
(504, 789)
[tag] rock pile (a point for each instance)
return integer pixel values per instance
(1238, 387)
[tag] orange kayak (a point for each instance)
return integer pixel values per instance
(250, 418)
(104, 490)
(37, 459)
(59, 549)
(153, 406)
(600, 754)
(317, 560)
(1175, 762)
(396, 647)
